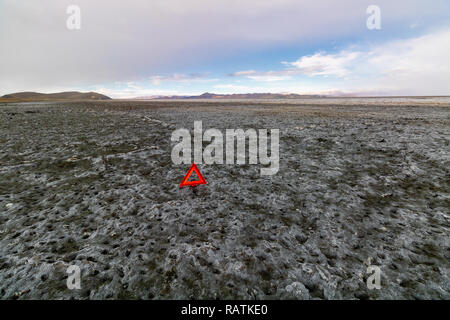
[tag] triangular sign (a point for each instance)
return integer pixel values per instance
(185, 181)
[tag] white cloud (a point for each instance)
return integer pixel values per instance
(182, 78)
(268, 76)
(120, 41)
(233, 88)
(415, 66)
(318, 64)
(321, 64)
(244, 73)
(125, 93)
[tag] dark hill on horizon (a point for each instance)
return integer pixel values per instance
(36, 96)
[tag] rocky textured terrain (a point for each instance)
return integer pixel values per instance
(361, 182)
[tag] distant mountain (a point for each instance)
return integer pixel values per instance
(70, 95)
(208, 95)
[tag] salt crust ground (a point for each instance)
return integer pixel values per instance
(361, 181)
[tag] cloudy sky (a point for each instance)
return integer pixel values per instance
(166, 47)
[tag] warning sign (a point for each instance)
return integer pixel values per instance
(185, 181)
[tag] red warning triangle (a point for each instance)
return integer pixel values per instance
(185, 181)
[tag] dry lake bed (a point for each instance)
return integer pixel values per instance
(361, 182)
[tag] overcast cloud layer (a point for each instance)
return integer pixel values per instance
(175, 47)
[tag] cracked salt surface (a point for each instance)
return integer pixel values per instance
(361, 181)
